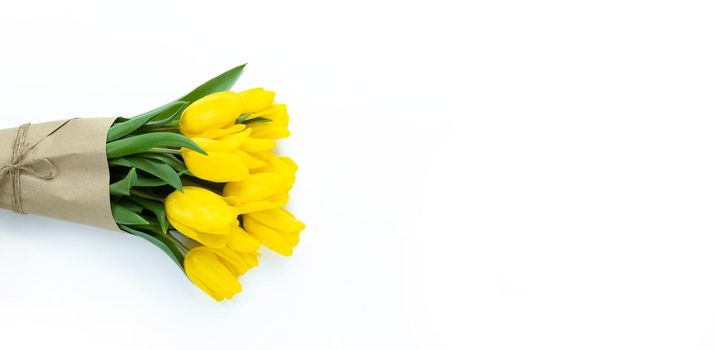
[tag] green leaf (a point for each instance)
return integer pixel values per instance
(162, 242)
(158, 169)
(126, 216)
(122, 187)
(120, 161)
(168, 117)
(222, 82)
(147, 182)
(153, 226)
(168, 159)
(121, 129)
(242, 118)
(156, 208)
(132, 206)
(145, 142)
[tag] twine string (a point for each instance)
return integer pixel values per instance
(41, 168)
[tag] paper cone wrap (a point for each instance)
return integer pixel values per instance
(63, 173)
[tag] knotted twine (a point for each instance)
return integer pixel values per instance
(41, 168)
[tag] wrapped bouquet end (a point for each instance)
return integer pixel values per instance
(57, 169)
(197, 177)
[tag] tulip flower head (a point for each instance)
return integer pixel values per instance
(277, 229)
(216, 113)
(274, 125)
(201, 215)
(258, 192)
(228, 157)
(215, 271)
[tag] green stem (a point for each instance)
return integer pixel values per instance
(179, 244)
(164, 150)
(174, 240)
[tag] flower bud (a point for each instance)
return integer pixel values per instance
(255, 100)
(258, 192)
(215, 271)
(215, 111)
(277, 128)
(201, 215)
(277, 229)
(222, 163)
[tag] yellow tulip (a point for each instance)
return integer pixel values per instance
(238, 263)
(277, 128)
(229, 157)
(266, 188)
(240, 241)
(215, 271)
(222, 163)
(254, 145)
(215, 115)
(201, 215)
(255, 100)
(275, 228)
(215, 111)
(257, 192)
(280, 165)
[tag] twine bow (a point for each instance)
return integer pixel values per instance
(41, 168)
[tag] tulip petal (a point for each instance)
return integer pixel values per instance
(209, 240)
(281, 219)
(291, 237)
(239, 240)
(271, 132)
(211, 112)
(205, 269)
(250, 161)
(262, 205)
(255, 187)
(255, 100)
(217, 133)
(216, 167)
(199, 207)
(252, 144)
(269, 237)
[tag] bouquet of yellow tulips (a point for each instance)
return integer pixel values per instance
(197, 177)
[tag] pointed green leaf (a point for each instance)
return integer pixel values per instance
(242, 118)
(134, 207)
(123, 215)
(158, 169)
(124, 128)
(163, 243)
(222, 82)
(147, 181)
(120, 161)
(122, 187)
(168, 159)
(169, 116)
(145, 142)
(155, 207)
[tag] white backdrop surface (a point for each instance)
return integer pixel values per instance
(473, 175)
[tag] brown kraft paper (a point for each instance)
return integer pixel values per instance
(62, 169)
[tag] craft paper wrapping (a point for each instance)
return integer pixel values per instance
(79, 190)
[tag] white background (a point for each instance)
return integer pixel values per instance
(473, 175)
